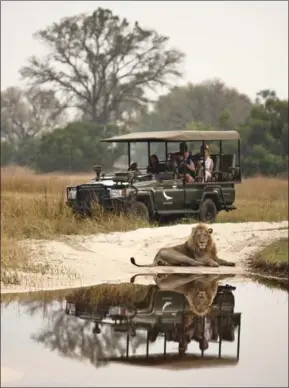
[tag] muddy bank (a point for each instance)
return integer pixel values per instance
(75, 261)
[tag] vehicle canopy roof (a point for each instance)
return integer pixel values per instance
(174, 136)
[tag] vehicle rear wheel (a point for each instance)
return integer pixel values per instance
(208, 211)
(139, 209)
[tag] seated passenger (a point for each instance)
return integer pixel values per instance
(209, 164)
(153, 166)
(171, 161)
(186, 167)
(133, 167)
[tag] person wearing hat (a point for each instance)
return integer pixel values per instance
(186, 167)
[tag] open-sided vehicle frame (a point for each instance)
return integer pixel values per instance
(166, 194)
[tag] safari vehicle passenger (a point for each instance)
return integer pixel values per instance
(187, 167)
(203, 161)
(134, 167)
(153, 166)
(209, 164)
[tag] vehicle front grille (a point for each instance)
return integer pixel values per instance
(86, 194)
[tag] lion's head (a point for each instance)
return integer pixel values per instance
(201, 238)
(201, 296)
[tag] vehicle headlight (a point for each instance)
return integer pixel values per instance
(121, 193)
(71, 194)
(117, 193)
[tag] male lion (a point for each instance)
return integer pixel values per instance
(198, 250)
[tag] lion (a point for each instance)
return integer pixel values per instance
(199, 250)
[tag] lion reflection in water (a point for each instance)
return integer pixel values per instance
(200, 292)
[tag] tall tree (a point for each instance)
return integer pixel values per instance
(99, 61)
(28, 113)
(265, 135)
(210, 102)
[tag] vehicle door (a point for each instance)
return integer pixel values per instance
(169, 195)
(192, 195)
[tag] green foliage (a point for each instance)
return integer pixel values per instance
(7, 153)
(76, 147)
(211, 103)
(265, 136)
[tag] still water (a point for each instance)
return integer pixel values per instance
(43, 343)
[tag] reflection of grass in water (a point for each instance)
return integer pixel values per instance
(111, 294)
(272, 260)
(279, 284)
(107, 293)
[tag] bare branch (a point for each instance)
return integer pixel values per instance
(98, 61)
(28, 113)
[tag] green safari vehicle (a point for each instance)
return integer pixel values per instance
(165, 192)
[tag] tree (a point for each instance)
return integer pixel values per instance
(29, 113)
(265, 135)
(76, 148)
(101, 62)
(211, 103)
(7, 153)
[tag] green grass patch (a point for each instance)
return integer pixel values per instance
(272, 260)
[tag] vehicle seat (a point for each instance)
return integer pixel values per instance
(216, 160)
(226, 171)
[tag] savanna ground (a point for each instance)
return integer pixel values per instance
(33, 206)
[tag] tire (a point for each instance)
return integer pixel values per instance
(139, 209)
(208, 211)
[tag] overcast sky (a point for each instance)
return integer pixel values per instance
(245, 44)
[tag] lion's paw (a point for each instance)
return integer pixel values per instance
(213, 264)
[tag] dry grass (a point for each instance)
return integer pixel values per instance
(259, 199)
(33, 206)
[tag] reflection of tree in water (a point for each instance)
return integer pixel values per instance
(73, 338)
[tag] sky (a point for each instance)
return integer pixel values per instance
(245, 44)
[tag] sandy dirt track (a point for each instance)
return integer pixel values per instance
(87, 260)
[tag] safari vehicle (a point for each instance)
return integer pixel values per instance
(166, 194)
(163, 314)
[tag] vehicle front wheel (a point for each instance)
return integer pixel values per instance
(208, 211)
(140, 210)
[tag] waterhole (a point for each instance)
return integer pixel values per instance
(174, 330)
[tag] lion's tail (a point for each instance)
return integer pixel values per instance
(132, 260)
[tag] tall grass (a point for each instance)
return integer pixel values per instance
(33, 206)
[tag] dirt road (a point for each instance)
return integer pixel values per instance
(74, 261)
